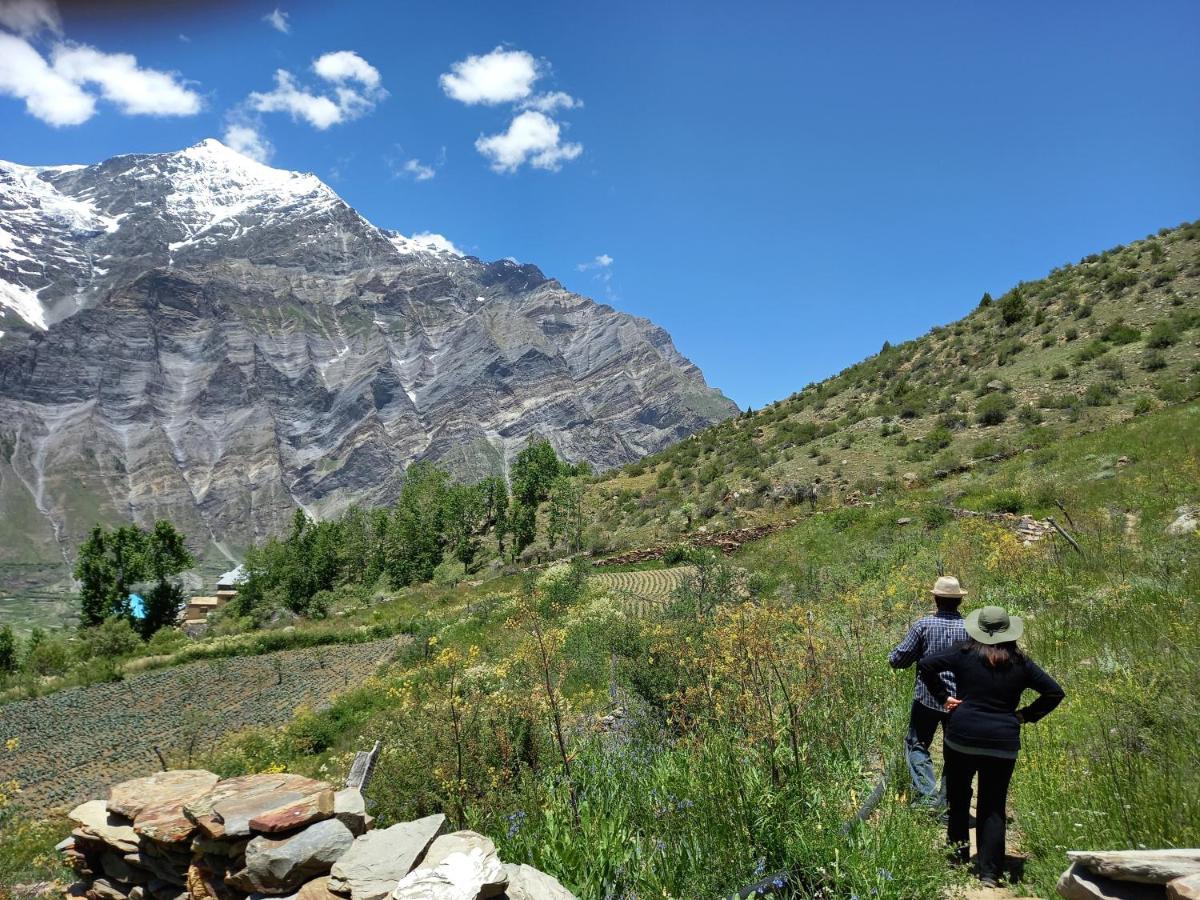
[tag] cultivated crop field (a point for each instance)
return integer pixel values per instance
(646, 592)
(73, 743)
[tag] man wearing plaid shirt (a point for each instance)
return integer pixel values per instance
(929, 635)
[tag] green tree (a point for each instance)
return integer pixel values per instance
(164, 555)
(566, 520)
(109, 564)
(8, 651)
(97, 580)
(532, 474)
(1012, 307)
(464, 519)
(416, 534)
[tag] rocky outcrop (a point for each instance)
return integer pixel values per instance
(232, 847)
(1131, 875)
(198, 337)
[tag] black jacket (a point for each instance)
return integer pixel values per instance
(987, 717)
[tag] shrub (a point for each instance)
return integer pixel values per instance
(1100, 393)
(1164, 276)
(1119, 333)
(1006, 501)
(935, 516)
(1013, 308)
(1112, 365)
(985, 448)
(1071, 333)
(1059, 372)
(993, 409)
(1118, 281)
(1153, 361)
(1090, 351)
(1143, 405)
(1162, 335)
(1029, 415)
(938, 438)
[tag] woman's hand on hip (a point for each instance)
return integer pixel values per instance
(952, 704)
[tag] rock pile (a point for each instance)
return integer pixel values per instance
(1131, 875)
(188, 835)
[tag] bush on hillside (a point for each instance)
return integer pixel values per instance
(1120, 333)
(1013, 307)
(993, 409)
(1162, 335)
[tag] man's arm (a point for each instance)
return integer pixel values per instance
(909, 650)
(931, 667)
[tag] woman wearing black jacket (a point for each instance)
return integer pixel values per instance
(983, 733)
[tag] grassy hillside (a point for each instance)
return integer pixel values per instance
(754, 714)
(1115, 336)
(639, 732)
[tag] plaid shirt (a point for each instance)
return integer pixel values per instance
(929, 635)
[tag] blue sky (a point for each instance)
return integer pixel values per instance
(782, 186)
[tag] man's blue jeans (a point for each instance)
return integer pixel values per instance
(922, 725)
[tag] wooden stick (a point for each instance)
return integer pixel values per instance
(1063, 532)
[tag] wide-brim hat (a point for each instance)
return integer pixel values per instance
(993, 625)
(948, 586)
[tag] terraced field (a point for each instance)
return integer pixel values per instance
(74, 742)
(644, 593)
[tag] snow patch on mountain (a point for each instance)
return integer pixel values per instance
(423, 242)
(43, 233)
(214, 185)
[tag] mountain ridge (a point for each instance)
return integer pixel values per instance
(209, 340)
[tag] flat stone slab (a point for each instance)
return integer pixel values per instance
(1144, 866)
(350, 809)
(317, 889)
(1078, 883)
(459, 866)
(227, 809)
(308, 809)
(1186, 888)
(180, 786)
(96, 821)
(279, 865)
(528, 883)
(377, 860)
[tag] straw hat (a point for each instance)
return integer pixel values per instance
(993, 625)
(948, 586)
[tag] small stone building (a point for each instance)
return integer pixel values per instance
(194, 621)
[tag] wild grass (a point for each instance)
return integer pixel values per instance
(689, 754)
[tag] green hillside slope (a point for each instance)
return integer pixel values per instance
(1094, 343)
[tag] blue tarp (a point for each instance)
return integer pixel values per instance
(137, 606)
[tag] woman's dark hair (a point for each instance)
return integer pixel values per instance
(997, 656)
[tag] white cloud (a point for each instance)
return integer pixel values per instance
(135, 91)
(346, 65)
(501, 76)
(603, 261)
(551, 102)
(249, 141)
(48, 96)
(278, 20)
(28, 17)
(532, 138)
(56, 95)
(418, 170)
(356, 90)
(432, 241)
(320, 112)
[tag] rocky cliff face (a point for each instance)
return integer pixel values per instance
(197, 336)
